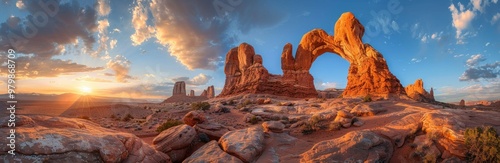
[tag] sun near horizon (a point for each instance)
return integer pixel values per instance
(85, 90)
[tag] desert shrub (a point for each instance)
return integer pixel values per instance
(307, 129)
(483, 144)
(254, 120)
(367, 98)
(84, 117)
(430, 158)
(334, 126)
(244, 104)
(127, 118)
(112, 116)
(200, 106)
(169, 123)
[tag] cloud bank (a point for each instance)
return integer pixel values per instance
(198, 33)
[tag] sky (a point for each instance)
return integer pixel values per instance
(140, 48)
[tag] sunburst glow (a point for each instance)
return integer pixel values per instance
(85, 90)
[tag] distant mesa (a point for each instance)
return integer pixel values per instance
(179, 94)
(368, 71)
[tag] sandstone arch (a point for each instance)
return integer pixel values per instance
(368, 71)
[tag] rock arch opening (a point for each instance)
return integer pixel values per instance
(368, 72)
(330, 75)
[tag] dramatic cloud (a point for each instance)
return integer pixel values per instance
(489, 91)
(31, 67)
(200, 79)
(461, 20)
(474, 71)
(120, 65)
(198, 33)
(65, 24)
(103, 7)
(47, 31)
(487, 71)
(494, 1)
(139, 18)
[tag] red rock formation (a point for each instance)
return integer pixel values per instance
(204, 93)
(368, 71)
(191, 93)
(417, 92)
(210, 92)
(179, 88)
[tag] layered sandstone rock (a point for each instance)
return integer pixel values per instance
(355, 146)
(175, 141)
(210, 92)
(211, 152)
(179, 88)
(417, 92)
(246, 144)
(179, 94)
(57, 139)
(368, 71)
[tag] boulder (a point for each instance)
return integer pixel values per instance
(193, 117)
(355, 146)
(246, 144)
(211, 152)
(57, 139)
(212, 129)
(367, 110)
(273, 126)
(175, 141)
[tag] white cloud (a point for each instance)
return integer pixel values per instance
(415, 60)
(494, 1)
(200, 79)
(139, 18)
(198, 33)
(474, 60)
(103, 7)
(458, 55)
(487, 91)
(495, 18)
(112, 43)
(488, 43)
(424, 39)
(120, 65)
(20, 4)
(461, 20)
(326, 85)
(478, 4)
(117, 30)
(474, 71)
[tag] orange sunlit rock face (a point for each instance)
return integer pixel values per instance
(368, 72)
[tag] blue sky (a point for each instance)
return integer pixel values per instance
(139, 48)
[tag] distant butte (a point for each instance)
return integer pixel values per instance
(368, 71)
